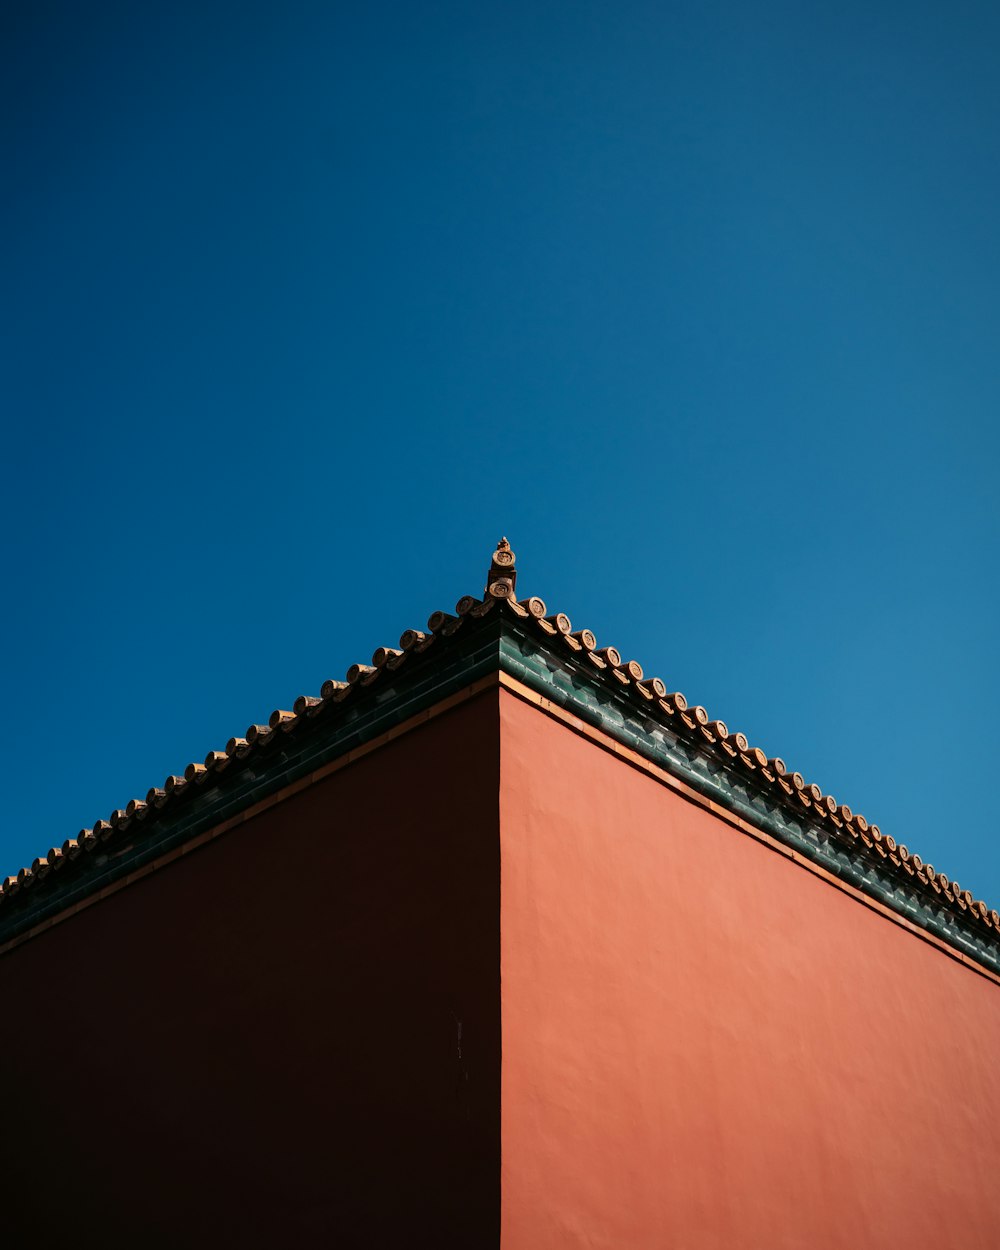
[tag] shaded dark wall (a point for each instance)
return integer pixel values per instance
(258, 1045)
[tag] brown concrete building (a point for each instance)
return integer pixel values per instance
(497, 942)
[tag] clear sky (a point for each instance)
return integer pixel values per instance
(304, 305)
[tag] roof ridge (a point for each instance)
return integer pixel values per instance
(605, 664)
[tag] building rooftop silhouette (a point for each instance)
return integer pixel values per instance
(497, 941)
(523, 641)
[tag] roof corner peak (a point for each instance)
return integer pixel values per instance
(502, 576)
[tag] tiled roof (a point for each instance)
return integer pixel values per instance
(606, 666)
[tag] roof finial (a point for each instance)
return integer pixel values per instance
(502, 577)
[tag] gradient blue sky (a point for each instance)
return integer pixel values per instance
(304, 305)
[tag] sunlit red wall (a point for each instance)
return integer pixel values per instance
(706, 1045)
(258, 1044)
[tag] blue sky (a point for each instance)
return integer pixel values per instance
(304, 305)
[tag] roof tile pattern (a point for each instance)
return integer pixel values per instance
(692, 722)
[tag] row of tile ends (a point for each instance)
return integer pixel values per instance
(650, 692)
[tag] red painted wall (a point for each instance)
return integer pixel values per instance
(257, 1045)
(705, 1045)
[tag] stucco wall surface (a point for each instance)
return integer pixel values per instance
(258, 1044)
(707, 1046)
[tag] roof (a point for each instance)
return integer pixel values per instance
(483, 633)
